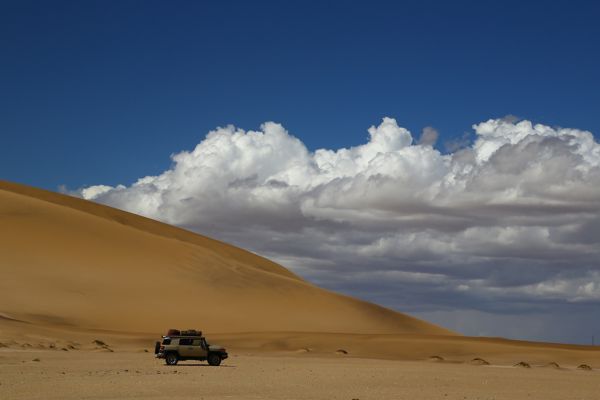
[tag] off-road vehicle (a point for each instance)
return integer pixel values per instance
(188, 345)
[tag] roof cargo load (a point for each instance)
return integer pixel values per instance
(173, 332)
(191, 332)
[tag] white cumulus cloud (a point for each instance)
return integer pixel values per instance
(512, 218)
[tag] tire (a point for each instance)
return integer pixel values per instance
(171, 359)
(214, 359)
(156, 347)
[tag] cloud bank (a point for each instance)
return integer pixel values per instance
(508, 224)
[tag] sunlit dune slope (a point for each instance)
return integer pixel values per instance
(69, 262)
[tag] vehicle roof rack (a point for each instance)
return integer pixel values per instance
(189, 332)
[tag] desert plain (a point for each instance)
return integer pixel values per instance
(129, 374)
(86, 290)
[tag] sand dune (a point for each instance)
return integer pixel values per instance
(73, 263)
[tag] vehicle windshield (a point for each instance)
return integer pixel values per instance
(166, 341)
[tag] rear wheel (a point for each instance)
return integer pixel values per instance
(214, 359)
(171, 359)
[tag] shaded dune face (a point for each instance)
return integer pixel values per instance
(72, 263)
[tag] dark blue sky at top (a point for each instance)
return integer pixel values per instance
(103, 92)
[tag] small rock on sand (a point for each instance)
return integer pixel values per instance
(303, 350)
(102, 346)
(522, 364)
(341, 351)
(479, 361)
(584, 367)
(436, 358)
(552, 365)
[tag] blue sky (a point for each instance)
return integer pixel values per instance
(499, 238)
(104, 91)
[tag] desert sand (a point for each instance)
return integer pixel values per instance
(70, 262)
(85, 290)
(119, 375)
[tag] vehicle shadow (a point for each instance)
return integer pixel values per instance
(199, 365)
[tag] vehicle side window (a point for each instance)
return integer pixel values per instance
(166, 341)
(185, 342)
(197, 342)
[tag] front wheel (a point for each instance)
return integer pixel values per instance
(214, 360)
(171, 359)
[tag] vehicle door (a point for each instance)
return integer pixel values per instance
(186, 349)
(199, 348)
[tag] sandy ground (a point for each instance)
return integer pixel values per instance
(128, 375)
